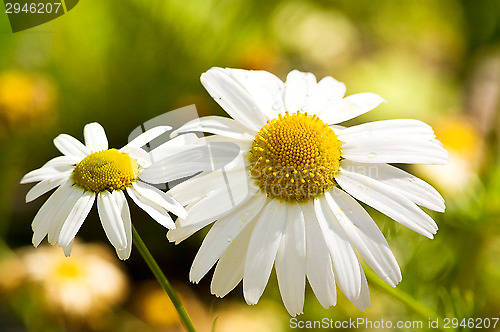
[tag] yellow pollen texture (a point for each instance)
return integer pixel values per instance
(295, 157)
(105, 170)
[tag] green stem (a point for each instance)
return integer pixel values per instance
(158, 273)
(404, 298)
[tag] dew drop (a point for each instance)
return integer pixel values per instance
(372, 155)
(276, 106)
(338, 216)
(229, 238)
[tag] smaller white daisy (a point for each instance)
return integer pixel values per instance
(93, 170)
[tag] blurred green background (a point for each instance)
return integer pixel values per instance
(121, 63)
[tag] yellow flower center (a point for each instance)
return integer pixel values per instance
(295, 157)
(105, 170)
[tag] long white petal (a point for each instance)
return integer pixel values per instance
(291, 260)
(298, 87)
(147, 137)
(345, 262)
(407, 150)
(215, 205)
(387, 128)
(216, 125)
(364, 235)
(265, 89)
(70, 146)
(122, 204)
(41, 174)
(75, 219)
(159, 197)
(233, 98)
(95, 137)
(222, 234)
(111, 219)
(262, 250)
(390, 202)
(229, 270)
(319, 266)
(363, 301)
(351, 107)
(46, 185)
(411, 187)
(62, 163)
(54, 211)
(328, 92)
(156, 211)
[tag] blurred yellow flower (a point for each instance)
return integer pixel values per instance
(87, 284)
(466, 147)
(155, 308)
(236, 316)
(25, 99)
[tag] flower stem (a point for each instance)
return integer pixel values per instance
(160, 276)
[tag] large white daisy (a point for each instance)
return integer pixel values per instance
(92, 170)
(288, 199)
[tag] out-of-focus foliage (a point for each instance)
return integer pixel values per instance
(122, 63)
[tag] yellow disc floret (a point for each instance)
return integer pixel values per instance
(295, 157)
(105, 170)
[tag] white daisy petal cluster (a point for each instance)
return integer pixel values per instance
(289, 197)
(93, 171)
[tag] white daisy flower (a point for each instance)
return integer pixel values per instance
(291, 197)
(93, 170)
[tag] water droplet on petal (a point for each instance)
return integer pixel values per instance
(372, 155)
(338, 216)
(229, 238)
(276, 106)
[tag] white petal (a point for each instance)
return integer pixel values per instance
(95, 137)
(233, 98)
(147, 137)
(67, 249)
(62, 163)
(298, 87)
(111, 219)
(46, 185)
(265, 89)
(122, 204)
(216, 205)
(319, 266)
(216, 125)
(222, 234)
(142, 157)
(156, 211)
(229, 270)
(395, 150)
(54, 211)
(291, 260)
(328, 92)
(160, 198)
(76, 218)
(174, 146)
(262, 250)
(351, 107)
(363, 301)
(345, 262)
(364, 234)
(411, 187)
(182, 164)
(395, 128)
(41, 174)
(387, 200)
(233, 178)
(70, 146)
